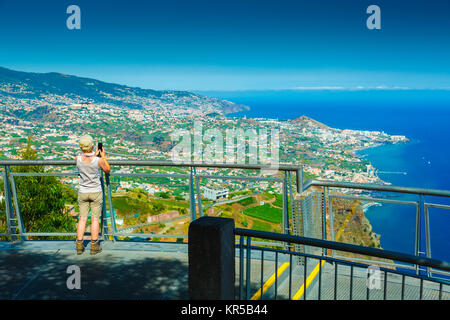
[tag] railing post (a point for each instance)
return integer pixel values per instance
(8, 206)
(427, 236)
(20, 224)
(417, 234)
(285, 205)
(300, 179)
(291, 208)
(192, 195)
(104, 222)
(331, 215)
(199, 195)
(111, 207)
(324, 216)
(211, 259)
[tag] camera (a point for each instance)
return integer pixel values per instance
(100, 147)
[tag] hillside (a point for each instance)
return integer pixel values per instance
(57, 88)
(309, 122)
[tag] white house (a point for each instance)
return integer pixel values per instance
(214, 193)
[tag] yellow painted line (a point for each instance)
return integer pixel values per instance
(270, 282)
(309, 279)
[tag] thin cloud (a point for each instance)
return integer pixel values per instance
(319, 88)
(380, 87)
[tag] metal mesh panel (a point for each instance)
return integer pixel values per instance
(307, 220)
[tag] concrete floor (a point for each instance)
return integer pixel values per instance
(146, 271)
(125, 270)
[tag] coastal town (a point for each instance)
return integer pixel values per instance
(55, 126)
(135, 125)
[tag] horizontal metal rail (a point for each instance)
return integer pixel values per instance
(376, 187)
(413, 203)
(150, 235)
(154, 163)
(437, 206)
(211, 176)
(118, 174)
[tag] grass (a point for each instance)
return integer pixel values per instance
(267, 196)
(127, 205)
(262, 226)
(172, 203)
(247, 201)
(265, 212)
(278, 200)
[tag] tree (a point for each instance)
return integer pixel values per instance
(41, 199)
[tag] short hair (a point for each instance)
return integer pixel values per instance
(86, 143)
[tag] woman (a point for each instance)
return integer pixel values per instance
(90, 195)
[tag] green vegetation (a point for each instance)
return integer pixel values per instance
(266, 196)
(262, 226)
(238, 193)
(42, 199)
(57, 138)
(265, 212)
(278, 200)
(127, 205)
(247, 201)
(164, 195)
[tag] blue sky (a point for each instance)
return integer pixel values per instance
(233, 44)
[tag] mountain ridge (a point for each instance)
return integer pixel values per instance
(35, 85)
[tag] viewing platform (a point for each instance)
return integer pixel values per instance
(218, 260)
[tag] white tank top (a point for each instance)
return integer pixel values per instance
(89, 176)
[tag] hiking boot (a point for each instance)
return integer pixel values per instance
(80, 247)
(95, 247)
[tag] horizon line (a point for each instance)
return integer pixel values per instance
(296, 88)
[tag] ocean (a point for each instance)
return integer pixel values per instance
(421, 115)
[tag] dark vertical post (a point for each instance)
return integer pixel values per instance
(241, 268)
(211, 259)
(300, 179)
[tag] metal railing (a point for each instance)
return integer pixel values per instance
(329, 276)
(421, 212)
(16, 230)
